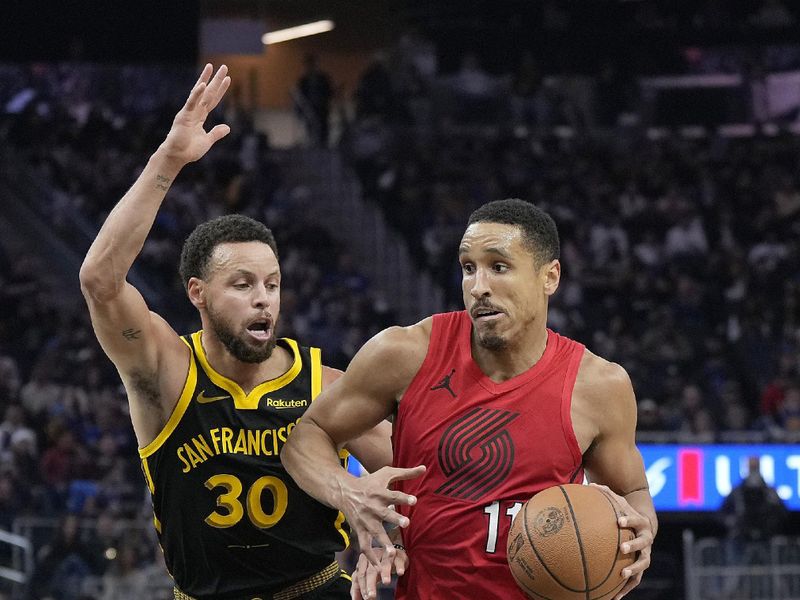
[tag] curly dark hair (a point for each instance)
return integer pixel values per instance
(200, 245)
(539, 232)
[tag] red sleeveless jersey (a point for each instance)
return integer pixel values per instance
(488, 447)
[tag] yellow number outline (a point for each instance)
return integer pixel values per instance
(229, 500)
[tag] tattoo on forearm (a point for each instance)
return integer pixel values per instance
(131, 334)
(162, 182)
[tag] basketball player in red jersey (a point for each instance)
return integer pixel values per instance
(489, 408)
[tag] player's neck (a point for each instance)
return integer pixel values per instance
(246, 375)
(516, 358)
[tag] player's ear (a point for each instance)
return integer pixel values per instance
(195, 289)
(551, 272)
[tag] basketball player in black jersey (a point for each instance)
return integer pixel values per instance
(212, 410)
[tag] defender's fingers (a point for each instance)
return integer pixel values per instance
(226, 83)
(395, 518)
(372, 582)
(217, 85)
(365, 542)
(194, 96)
(400, 564)
(205, 74)
(398, 474)
(386, 568)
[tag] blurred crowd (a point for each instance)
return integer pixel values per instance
(681, 258)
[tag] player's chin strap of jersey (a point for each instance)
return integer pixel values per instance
(309, 584)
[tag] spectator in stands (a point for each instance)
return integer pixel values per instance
(476, 91)
(649, 416)
(41, 392)
(61, 463)
(787, 418)
(62, 564)
(14, 425)
(529, 103)
(126, 579)
(753, 513)
(772, 14)
(315, 91)
(375, 94)
(10, 380)
(103, 541)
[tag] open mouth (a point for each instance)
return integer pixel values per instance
(486, 314)
(260, 330)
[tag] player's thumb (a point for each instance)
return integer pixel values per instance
(219, 132)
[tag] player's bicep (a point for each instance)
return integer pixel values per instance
(373, 449)
(613, 459)
(131, 335)
(367, 392)
(345, 409)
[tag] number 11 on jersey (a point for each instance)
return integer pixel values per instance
(493, 510)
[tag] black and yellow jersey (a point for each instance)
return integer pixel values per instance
(230, 520)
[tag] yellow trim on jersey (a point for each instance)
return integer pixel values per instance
(316, 372)
(338, 525)
(241, 400)
(344, 575)
(344, 455)
(177, 412)
(148, 477)
(157, 524)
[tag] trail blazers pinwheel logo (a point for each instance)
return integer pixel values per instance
(476, 453)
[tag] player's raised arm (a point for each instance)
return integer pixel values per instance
(136, 340)
(364, 396)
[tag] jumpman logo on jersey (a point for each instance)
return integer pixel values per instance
(444, 384)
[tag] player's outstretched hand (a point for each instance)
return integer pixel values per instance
(642, 543)
(187, 140)
(369, 503)
(366, 575)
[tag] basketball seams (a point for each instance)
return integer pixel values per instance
(580, 541)
(619, 541)
(539, 556)
(527, 537)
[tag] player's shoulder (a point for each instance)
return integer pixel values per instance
(602, 380)
(404, 339)
(395, 351)
(329, 375)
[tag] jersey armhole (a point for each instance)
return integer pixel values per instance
(566, 404)
(438, 325)
(179, 410)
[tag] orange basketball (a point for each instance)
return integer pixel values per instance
(564, 545)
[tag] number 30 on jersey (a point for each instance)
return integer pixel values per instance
(231, 504)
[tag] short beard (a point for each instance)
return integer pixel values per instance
(492, 342)
(238, 348)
